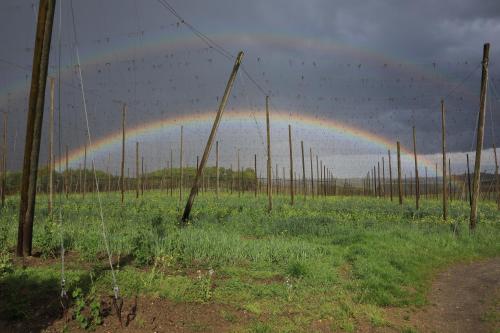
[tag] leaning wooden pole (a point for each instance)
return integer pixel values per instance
(34, 126)
(417, 181)
(124, 112)
(206, 153)
(480, 137)
(291, 164)
(269, 162)
(443, 146)
(400, 185)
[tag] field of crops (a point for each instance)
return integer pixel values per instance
(334, 261)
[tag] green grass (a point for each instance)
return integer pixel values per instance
(340, 259)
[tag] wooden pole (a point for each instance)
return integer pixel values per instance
(34, 126)
(383, 177)
(204, 158)
(269, 172)
(426, 185)
(400, 185)
(304, 186)
(171, 172)
(238, 174)
(480, 136)
(255, 168)
(108, 171)
(181, 171)
(67, 173)
(142, 175)
(4, 159)
(443, 146)
(291, 163)
(497, 191)
(217, 169)
(468, 181)
(378, 179)
(312, 175)
(124, 112)
(417, 181)
(450, 193)
(317, 177)
(137, 174)
(51, 146)
(390, 173)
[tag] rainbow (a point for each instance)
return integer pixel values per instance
(113, 140)
(158, 42)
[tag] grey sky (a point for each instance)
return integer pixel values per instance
(379, 65)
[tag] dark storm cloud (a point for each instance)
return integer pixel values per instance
(379, 65)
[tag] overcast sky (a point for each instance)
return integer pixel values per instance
(380, 66)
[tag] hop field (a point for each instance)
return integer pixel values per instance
(334, 259)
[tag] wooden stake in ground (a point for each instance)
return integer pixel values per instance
(496, 177)
(383, 177)
(171, 173)
(142, 175)
(204, 158)
(443, 146)
(67, 173)
(400, 185)
(51, 146)
(480, 136)
(390, 173)
(312, 174)
(124, 112)
(417, 182)
(239, 174)
(41, 53)
(291, 162)
(269, 172)
(217, 169)
(317, 177)
(181, 181)
(84, 170)
(304, 188)
(4, 159)
(255, 168)
(137, 174)
(468, 181)
(378, 177)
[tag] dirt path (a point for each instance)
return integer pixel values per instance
(464, 298)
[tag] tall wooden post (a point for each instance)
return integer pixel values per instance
(34, 126)
(67, 173)
(436, 182)
(390, 173)
(417, 181)
(204, 158)
(238, 175)
(480, 136)
(318, 185)
(171, 172)
(217, 168)
(383, 177)
(269, 162)
(4, 159)
(255, 169)
(84, 170)
(304, 185)
(124, 112)
(443, 146)
(378, 178)
(400, 185)
(137, 172)
(181, 181)
(497, 190)
(312, 174)
(291, 162)
(51, 146)
(142, 175)
(108, 170)
(450, 191)
(468, 181)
